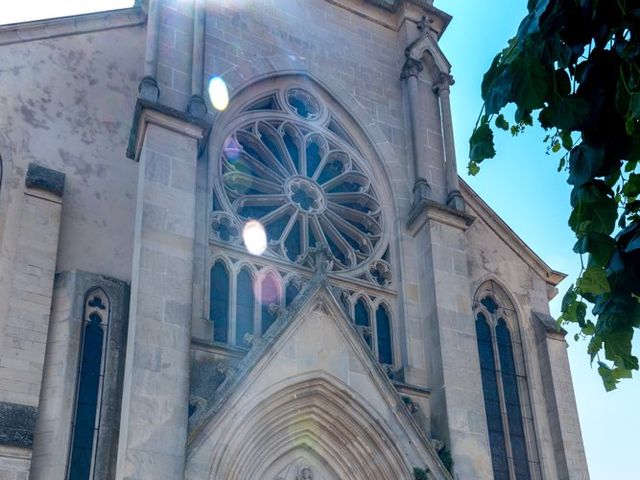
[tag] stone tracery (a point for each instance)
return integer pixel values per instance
(305, 188)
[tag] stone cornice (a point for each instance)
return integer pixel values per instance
(429, 210)
(513, 241)
(71, 25)
(147, 112)
(549, 325)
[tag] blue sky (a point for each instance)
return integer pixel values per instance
(521, 184)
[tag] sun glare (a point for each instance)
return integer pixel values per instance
(218, 93)
(255, 237)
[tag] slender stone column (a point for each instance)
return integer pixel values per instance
(197, 106)
(148, 87)
(421, 188)
(153, 428)
(441, 88)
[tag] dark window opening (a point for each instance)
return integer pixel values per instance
(219, 302)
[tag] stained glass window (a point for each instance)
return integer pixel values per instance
(362, 320)
(491, 399)
(512, 401)
(245, 300)
(219, 302)
(507, 436)
(269, 300)
(86, 420)
(383, 327)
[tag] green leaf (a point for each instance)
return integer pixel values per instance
(501, 123)
(584, 164)
(481, 142)
(497, 87)
(631, 188)
(563, 161)
(594, 209)
(523, 116)
(593, 280)
(595, 345)
(634, 105)
(600, 247)
(529, 83)
(608, 379)
(567, 140)
(567, 113)
(569, 297)
(473, 168)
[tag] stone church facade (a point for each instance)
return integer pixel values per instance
(394, 328)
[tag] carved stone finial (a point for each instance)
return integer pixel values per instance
(444, 82)
(411, 68)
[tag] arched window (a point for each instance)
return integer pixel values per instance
(219, 302)
(283, 157)
(86, 421)
(383, 332)
(504, 386)
(292, 290)
(362, 321)
(245, 303)
(269, 300)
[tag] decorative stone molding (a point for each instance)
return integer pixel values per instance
(17, 424)
(411, 68)
(43, 178)
(428, 210)
(444, 82)
(149, 112)
(549, 324)
(71, 25)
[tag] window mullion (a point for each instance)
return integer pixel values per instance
(503, 403)
(233, 303)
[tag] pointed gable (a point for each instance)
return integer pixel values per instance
(309, 391)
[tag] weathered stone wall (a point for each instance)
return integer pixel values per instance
(68, 90)
(14, 463)
(67, 103)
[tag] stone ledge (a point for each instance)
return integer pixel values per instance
(43, 178)
(549, 325)
(426, 210)
(175, 120)
(72, 25)
(17, 423)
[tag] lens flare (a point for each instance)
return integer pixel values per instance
(218, 93)
(255, 237)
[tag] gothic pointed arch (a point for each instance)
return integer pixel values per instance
(313, 414)
(290, 155)
(511, 432)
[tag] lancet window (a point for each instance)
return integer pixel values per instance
(287, 162)
(504, 383)
(86, 422)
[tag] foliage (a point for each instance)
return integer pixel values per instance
(575, 66)
(446, 459)
(420, 473)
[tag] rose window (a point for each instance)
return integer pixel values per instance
(306, 188)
